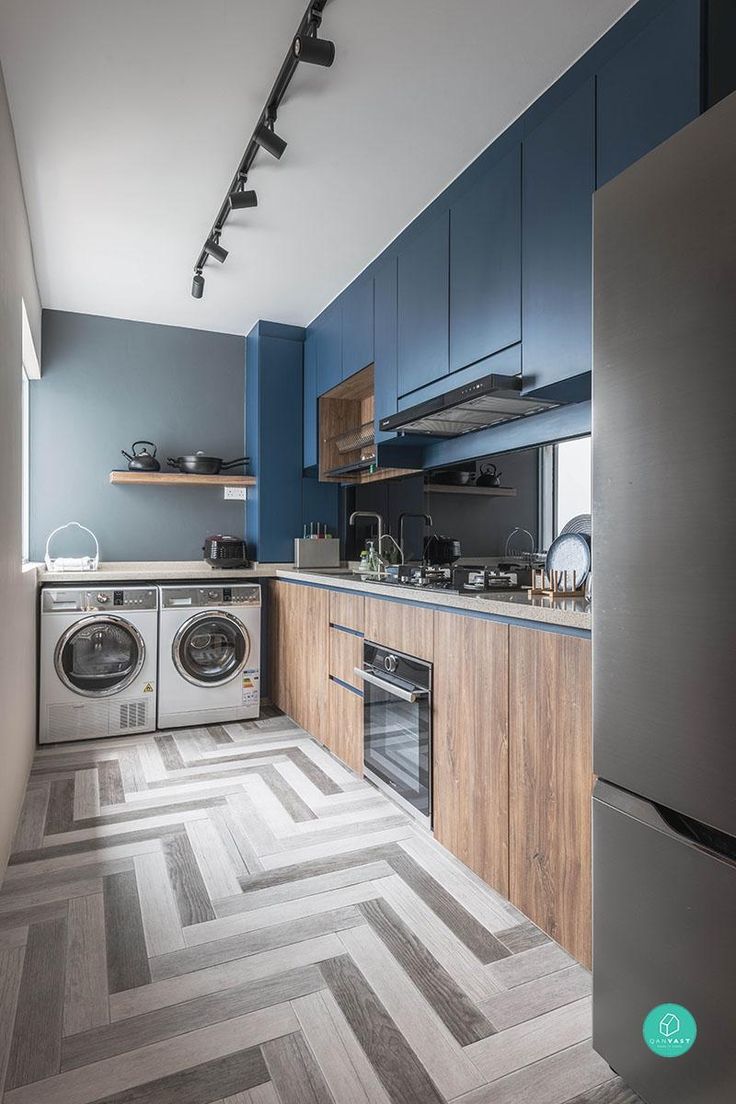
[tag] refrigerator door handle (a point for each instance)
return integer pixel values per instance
(677, 825)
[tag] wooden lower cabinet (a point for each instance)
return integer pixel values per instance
(299, 625)
(550, 780)
(345, 739)
(346, 653)
(347, 610)
(471, 782)
(403, 626)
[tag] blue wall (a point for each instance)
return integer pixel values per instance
(108, 382)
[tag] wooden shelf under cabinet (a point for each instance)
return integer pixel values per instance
(460, 488)
(181, 479)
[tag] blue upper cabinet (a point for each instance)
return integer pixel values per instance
(385, 344)
(357, 326)
(485, 264)
(423, 304)
(557, 194)
(649, 89)
(310, 398)
(328, 328)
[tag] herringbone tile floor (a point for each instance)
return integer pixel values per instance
(228, 914)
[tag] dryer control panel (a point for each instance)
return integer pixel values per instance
(210, 597)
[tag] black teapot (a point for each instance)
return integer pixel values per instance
(489, 476)
(143, 460)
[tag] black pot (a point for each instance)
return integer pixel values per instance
(452, 477)
(199, 464)
(441, 550)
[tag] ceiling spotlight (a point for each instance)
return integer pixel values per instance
(215, 250)
(197, 285)
(241, 198)
(268, 139)
(316, 51)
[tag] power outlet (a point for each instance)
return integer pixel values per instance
(235, 494)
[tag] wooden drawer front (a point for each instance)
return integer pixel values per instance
(550, 779)
(346, 610)
(400, 625)
(346, 653)
(346, 725)
(471, 750)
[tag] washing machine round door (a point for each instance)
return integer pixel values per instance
(99, 655)
(211, 648)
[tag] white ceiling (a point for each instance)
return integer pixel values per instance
(131, 116)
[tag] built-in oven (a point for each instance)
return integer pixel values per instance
(397, 726)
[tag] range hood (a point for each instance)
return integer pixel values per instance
(485, 402)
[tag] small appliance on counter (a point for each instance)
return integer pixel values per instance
(441, 550)
(221, 551)
(71, 563)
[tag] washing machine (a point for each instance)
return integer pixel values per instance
(209, 654)
(98, 662)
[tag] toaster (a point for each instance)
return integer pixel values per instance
(220, 551)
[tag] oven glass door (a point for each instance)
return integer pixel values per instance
(397, 742)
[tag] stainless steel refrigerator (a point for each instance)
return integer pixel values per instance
(664, 617)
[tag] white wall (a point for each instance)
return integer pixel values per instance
(17, 589)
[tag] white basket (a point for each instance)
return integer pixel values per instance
(72, 563)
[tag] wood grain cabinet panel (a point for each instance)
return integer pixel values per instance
(345, 738)
(299, 653)
(550, 779)
(471, 781)
(347, 610)
(403, 626)
(346, 653)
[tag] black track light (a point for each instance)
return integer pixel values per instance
(214, 249)
(268, 139)
(197, 285)
(316, 51)
(243, 198)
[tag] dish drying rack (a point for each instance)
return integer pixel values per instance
(556, 584)
(360, 438)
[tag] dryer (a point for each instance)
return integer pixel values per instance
(97, 662)
(209, 654)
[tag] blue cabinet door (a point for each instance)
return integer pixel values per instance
(649, 89)
(357, 326)
(310, 398)
(485, 264)
(557, 194)
(423, 303)
(385, 348)
(329, 347)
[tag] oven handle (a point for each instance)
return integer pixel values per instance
(391, 687)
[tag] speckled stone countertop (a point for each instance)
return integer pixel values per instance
(565, 612)
(155, 571)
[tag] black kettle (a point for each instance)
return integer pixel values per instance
(143, 460)
(489, 476)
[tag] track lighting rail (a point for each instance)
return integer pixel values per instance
(264, 136)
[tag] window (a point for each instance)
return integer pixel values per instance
(565, 485)
(25, 467)
(30, 370)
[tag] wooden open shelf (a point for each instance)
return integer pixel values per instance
(177, 479)
(449, 488)
(344, 411)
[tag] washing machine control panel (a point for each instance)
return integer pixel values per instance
(66, 599)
